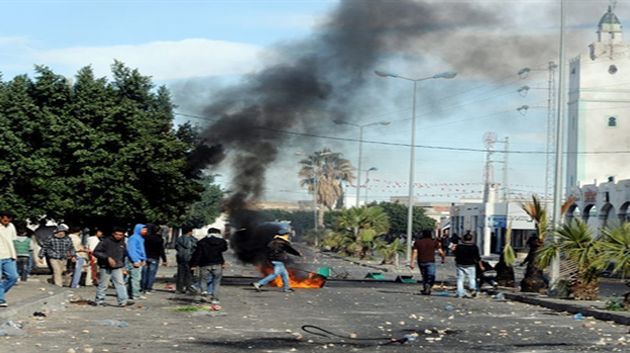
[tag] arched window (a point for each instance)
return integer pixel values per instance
(612, 121)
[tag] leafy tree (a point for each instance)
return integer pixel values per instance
(323, 173)
(208, 209)
(397, 214)
(301, 221)
(93, 152)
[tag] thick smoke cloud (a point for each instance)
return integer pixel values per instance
(317, 80)
(310, 83)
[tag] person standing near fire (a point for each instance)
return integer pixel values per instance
(208, 256)
(277, 250)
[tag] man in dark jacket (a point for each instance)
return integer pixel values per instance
(110, 253)
(466, 259)
(154, 248)
(208, 256)
(277, 250)
(185, 246)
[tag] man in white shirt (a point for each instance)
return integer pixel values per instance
(8, 268)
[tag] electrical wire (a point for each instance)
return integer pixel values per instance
(430, 147)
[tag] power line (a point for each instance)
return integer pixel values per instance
(400, 144)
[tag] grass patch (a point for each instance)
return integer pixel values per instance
(615, 305)
(188, 309)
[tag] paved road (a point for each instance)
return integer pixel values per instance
(271, 321)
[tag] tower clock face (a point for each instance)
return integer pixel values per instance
(612, 69)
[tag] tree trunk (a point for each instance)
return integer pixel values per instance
(505, 274)
(534, 281)
(584, 289)
(320, 217)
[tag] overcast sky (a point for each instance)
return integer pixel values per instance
(197, 47)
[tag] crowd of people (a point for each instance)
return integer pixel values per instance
(128, 260)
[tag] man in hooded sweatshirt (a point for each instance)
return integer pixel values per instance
(277, 250)
(137, 257)
(208, 256)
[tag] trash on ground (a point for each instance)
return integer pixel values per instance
(10, 328)
(113, 323)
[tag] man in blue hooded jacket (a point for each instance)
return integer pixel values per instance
(137, 258)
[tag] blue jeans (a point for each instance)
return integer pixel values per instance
(149, 272)
(278, 270)
(466, 271)
(133, 281)
(78, 269)
(8, 276)
(210, 280)
(116, 275)
(427, 269)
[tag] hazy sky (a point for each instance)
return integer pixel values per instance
(197, 47)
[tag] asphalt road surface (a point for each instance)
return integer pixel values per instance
(358, 316)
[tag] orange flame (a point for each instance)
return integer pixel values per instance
(296, 279)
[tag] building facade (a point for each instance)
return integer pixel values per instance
(598, 114)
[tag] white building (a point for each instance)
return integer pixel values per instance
(489, 221)
(598, 115)
(600, 206)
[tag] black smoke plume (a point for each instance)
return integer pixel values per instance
(315, 81)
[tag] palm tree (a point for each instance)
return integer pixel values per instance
(534, 281)
(505, 269)
(574, 240)
(323, 173)
(389, 250)
(614, 248)
(362, 226)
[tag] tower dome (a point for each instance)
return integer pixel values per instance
(609, 28)
(609, 18)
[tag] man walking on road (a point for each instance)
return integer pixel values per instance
(111, 252)
(424, 249)
(58, 249)
(8, 268)
(466, 258)
(277, 255)
(208, 256)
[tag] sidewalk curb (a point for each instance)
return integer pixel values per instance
(44, 302)
(571, 308)
(339, 257)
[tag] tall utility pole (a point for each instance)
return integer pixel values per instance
(506, 152)
(551, 132)
(557, 186)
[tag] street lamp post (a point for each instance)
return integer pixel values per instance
(361, 127)
(412, 157)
